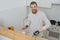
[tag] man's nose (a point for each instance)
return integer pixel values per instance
(33, 8)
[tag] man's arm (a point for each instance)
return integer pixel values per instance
(25, 27)
(47, 23)
(27, 23)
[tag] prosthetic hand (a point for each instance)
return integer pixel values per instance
(36, 33)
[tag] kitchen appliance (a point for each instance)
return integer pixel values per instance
(53, 33)
(58, 23)
(53, 22)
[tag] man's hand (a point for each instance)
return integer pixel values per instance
(41, 30)
(36, 33)
(25, 27)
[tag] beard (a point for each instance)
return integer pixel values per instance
(34, 11)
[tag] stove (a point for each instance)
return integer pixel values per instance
(53, 33)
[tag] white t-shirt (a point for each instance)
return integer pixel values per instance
(35, 21)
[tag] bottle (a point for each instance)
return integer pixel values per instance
(11, 28)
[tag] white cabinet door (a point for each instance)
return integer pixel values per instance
(41, 3)
(55, 1)
(45, 3)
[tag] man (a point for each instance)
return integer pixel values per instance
(35, 20)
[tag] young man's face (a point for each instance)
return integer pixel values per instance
(33, 8)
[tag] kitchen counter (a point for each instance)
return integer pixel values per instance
(14, 35)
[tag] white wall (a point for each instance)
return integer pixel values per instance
(11, 13)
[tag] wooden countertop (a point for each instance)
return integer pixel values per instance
(14, 35)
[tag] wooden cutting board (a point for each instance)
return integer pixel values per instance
(14, 35)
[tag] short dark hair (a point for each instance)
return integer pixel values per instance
(33, 2)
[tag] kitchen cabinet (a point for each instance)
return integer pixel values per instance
(55, 1)
(41, 3)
